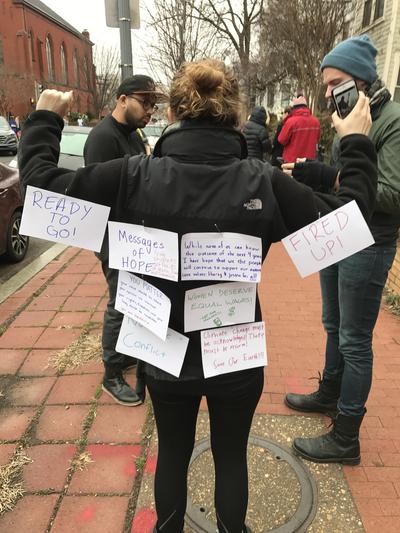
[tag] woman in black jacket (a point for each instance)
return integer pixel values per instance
(200, 180)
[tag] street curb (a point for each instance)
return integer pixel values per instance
(12, 285)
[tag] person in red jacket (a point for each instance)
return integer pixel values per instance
(300, 133)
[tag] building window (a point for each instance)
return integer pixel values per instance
(367, 13)
(76, 67)
(50, 58)
(86, 72)
(379, 8)
(396, 96)
(63, 57)
(40, 56)
(32, 44)
(1, 51)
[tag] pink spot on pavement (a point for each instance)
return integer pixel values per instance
(144, 521)
(87, 514)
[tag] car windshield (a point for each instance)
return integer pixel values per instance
(72, 143)
(153, 130)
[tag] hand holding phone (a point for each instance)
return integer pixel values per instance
(345, 97)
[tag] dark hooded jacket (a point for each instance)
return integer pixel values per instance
(256, 135)
(198, 180)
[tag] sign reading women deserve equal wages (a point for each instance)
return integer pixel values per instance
(63, 219)
(329, 239)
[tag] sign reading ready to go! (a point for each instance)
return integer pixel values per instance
(63, 219)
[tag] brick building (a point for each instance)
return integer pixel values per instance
(38, 50)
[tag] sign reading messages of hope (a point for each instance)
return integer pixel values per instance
(222, 256)
(235, 348)
(220, 305)
(59, 218)
(145, 250)
(329, 239)
(137, 341)
(143, 302)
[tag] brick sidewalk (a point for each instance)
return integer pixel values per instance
(63, 418)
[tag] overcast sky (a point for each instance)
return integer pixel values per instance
(90, 15)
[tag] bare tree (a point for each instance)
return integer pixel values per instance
(295, 35)
(107, 77)
(236, 21)
(181, 37)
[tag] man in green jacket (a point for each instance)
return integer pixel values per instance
(352, 289)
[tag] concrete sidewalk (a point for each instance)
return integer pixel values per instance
(90, 461)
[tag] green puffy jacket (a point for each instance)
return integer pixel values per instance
(385, 134)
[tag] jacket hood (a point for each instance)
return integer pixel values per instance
(200, 140)
(259, 115)
(300, 110)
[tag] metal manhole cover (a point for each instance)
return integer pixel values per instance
(306, 508)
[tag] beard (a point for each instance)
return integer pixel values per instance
(133, 122)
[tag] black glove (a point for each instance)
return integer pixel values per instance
(317, 175)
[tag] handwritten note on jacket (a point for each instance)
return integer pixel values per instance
(221, 256)
(63, 219)
(329, 239)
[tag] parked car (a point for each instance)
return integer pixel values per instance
(8, 139)
(71, 147)
(153, 133)
(12, 244)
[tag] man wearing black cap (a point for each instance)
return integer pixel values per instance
(114, 137)
(352, 289)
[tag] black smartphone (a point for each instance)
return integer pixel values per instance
(345, 97)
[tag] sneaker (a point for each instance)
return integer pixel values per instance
(120, 390)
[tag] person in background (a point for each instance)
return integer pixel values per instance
(256, 134)
(200, 180)
(114, 137)
(277, 147)
(352, 289)
(300, 133)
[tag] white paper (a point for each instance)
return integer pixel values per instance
(136, 341)
(329, 239)
(149, 251)
(219, 305)
(63, 219)
(221, 256)
(234, 348)
(143, 302)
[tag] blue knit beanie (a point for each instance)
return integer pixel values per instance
(355, 56)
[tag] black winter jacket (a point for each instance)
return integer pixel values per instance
(198, 180)
(256, 135)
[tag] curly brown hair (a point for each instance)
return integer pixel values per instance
(206, 89)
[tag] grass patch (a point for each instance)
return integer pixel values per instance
(392, 300)
(11, 486)
(85, 349)
(82, 461)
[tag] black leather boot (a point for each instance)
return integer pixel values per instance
(340, 445)
(115, 385)
(324, 400)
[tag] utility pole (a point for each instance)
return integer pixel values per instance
(125, 15)
(124, 18)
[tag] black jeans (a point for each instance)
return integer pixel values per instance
(112, 318)
(232, 399)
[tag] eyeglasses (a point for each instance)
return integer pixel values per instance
(146, 104)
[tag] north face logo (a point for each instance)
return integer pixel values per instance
(253, 204)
